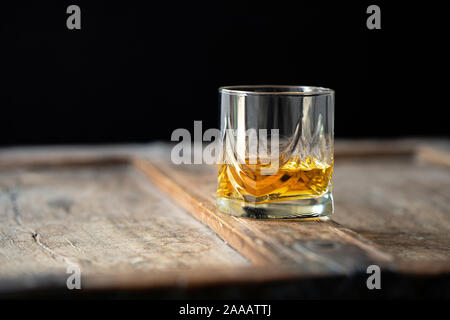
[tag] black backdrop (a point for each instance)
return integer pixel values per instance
(136, 72)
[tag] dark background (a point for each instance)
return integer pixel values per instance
(136, 72)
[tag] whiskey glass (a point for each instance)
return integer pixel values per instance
(277, 152)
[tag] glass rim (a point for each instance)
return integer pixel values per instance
(295, 90)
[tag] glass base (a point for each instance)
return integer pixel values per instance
(290, 209)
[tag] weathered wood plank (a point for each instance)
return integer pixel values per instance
(19, 157)
(432, 151)
(437, 153)
(105, 220)
(401, 204)
(316, 246)
(71, 205)
(398, 207)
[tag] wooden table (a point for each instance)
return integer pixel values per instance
(137, 225)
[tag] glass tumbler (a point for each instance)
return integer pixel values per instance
(277, 152)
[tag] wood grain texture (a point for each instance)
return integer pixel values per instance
(89, 206)
(392, 208)
(401, 204)
(106, 219)
(315, 246)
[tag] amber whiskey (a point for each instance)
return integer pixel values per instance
(295, 179)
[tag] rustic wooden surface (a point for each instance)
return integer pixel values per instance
(102, 219)
(316, 246)
(383, 193)
(93, 207)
